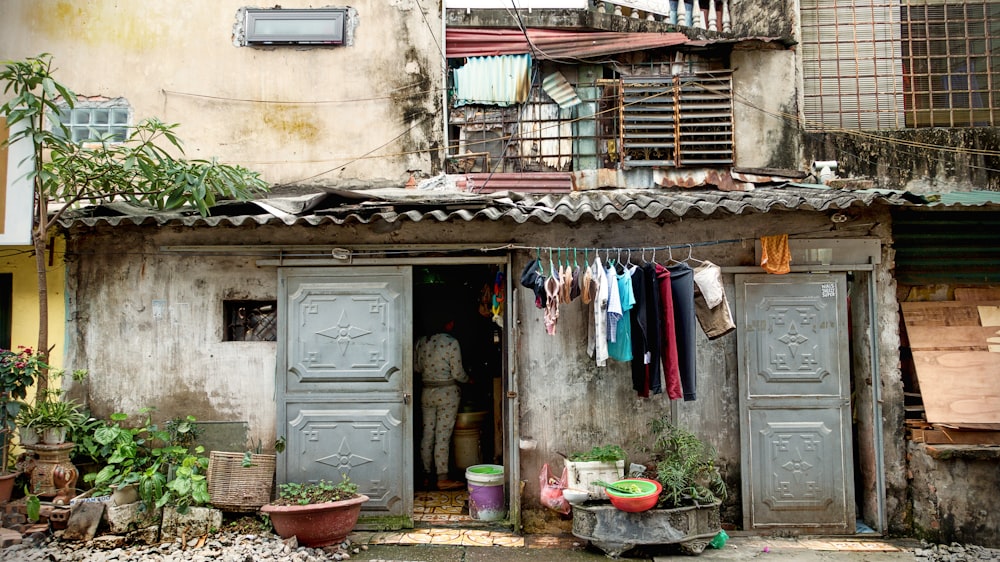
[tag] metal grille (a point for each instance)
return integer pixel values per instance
(677, 121)
(890, 64)
(951, 64)
(251, 320)
(852, 73)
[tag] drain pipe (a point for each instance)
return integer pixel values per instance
(877, 400)
(445, 149)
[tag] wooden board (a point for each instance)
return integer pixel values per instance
(966, 338)
(943, 313)
(940, 436)
(978, 294)
(959, 386)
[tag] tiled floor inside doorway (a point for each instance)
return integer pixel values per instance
(443, 518)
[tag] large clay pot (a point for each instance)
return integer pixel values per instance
(6, 486)
(318, 524)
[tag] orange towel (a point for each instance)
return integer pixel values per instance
(775, 256)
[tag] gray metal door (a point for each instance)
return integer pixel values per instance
(344, 380)
(795, 406)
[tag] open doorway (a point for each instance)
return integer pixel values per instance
(473, 297)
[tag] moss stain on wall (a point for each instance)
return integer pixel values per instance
(292, 121)
(124, 25)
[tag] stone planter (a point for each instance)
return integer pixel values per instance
(615, 531)
(318, 524)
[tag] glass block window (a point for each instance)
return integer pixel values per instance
(94, 124)
(251, 320)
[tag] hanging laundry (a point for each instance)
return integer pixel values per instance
(552, 287)
(653, 331)
(668, 336)
(682, 292)
(531, 278)
(574, 286)
(614, 303)
(716, 320)
(775, 256)
(597, 340)
(587, 285)
(620, 349)
(640, 333)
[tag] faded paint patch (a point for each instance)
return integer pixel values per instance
(292, 122)
(122, 25)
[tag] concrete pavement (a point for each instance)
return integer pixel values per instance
(804, 549)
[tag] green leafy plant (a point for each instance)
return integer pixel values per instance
(295, 493)
(603, 453)
(183, 431)
(18, 371)
(176, 477)
(685, 466)
(55, 413)
(128, 451)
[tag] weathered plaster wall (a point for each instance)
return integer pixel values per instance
(899, 159)
(171, 355)
(765, 131)
(953, 487)
(764, 18)
(293, 113)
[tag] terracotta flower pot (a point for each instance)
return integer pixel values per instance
(6, 486)
(318, 524)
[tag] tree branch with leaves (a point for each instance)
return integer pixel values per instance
(142, 170)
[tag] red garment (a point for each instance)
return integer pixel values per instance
(668, 345)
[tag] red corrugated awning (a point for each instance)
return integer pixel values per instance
(552, 43)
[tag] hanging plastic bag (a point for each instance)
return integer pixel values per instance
(552, 490)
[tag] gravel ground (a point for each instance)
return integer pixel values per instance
(220, 547)
(240, 547)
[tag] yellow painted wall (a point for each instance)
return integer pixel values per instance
(20, 261)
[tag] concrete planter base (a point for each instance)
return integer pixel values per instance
(615, 531)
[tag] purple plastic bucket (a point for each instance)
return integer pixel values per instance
(486, 498)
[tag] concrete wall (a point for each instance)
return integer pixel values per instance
(765, 131)
(361, 113)
(150, 330)
(954, 489)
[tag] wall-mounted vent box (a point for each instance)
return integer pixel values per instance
(321, 26)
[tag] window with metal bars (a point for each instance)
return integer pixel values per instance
(892, 64)
(666, 121)
(251, 320)
(951, 63)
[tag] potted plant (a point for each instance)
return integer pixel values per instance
(600, 463)
(18, 371)
(53, 417)
(316, 513)
(686, 512)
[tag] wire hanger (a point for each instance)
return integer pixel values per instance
(690, 258)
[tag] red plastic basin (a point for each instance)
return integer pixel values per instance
(634, 503)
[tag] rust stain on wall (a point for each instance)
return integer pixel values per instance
(123, 25)
(292, 121)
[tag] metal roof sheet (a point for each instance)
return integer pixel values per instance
(552, 43)
(392, 205)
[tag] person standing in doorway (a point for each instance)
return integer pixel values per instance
(438, 359)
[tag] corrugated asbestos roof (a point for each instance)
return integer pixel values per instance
(391, 205)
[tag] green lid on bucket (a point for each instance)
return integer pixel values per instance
(486, 469)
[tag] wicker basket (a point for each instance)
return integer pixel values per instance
(234, 487)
